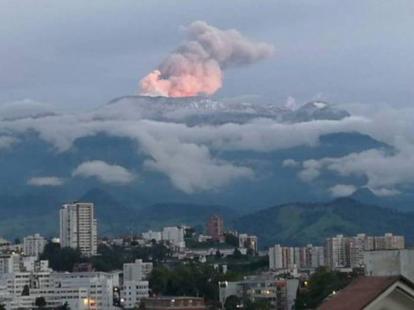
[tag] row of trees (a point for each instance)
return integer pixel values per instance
(192, 279)
(109, 258)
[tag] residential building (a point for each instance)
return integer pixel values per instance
(348, 252)
(174, 235)
(337, 252)
(389, 242)
(280, 293)
(78, 227)
(137, 271)
(373, 293)
(248, 242)
(152, 235)
(34, 245)
(390, 263)
(10, 263)
(92, 291)
(215, 228)
(290, 259)
(134, 286)
(172, 302)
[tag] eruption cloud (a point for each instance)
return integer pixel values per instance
(196, 67)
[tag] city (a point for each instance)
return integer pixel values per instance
(77, 269)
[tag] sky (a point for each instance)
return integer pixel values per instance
(77, 55)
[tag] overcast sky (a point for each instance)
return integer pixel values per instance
(80, 54)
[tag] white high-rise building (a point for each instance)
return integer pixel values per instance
(34, 245)
(134, 286)
(276, 257)
(78, 227)
(9, 263)
(174, 235)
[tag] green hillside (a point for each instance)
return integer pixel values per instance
(302, 223)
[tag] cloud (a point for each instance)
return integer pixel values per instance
(25, 109)
(290, 163)
(7, 142)
(106, 173)
(190, 167)
(342, 190)
(384, 172)
(45, 181)
(170, 144)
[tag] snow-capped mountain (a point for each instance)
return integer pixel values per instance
(198, 110)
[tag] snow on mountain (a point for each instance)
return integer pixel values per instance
(198, 110)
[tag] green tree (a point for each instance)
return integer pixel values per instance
(2, 307)
(61, 259)
(232, 302)
(40, 302)
(26, 291)
(320, 285)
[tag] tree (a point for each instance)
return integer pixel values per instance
(232, 302)
(61, 259)
(26, 291)
(2, 307)
(40, 302)
(320, 285)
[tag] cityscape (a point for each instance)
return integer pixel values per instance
(74, 269)
(206, 155)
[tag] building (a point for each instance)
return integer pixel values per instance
(280, 293)
(373, 293)
(176, 303)
(137, 271)
(290, 259)
(348, 252)
(78, 227)
(215, 228)
(390, 263)
(34, 245)
(248, 242)
(152, 235)
(134, 286)
(92, 291)
(389, 242)
(174, 235)
(10, 263)
(337, 252)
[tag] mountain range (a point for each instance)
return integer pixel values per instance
(150, 161)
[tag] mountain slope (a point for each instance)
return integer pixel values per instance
(302, 223)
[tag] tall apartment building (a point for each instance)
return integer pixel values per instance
(135, 287)
(337, 252)
(348, 252)
(215, 228)
(34, 245)
(78, 227)
(290, 258)
(389, 242)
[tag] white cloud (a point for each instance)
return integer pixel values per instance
(45, 181)
(384, 172)
(290, 163)
(104, 172)
(171, 147)
(342, 190)
(7, 142)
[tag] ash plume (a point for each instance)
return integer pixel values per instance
(196, 67)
